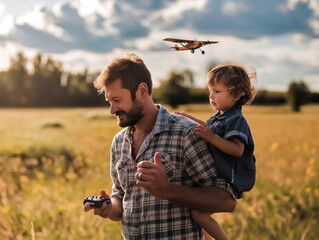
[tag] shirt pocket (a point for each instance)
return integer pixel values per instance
(217, 128)
(169, 165)
(126, 171)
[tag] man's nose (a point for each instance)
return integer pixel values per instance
(113, 109)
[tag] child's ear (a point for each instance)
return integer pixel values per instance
(236, 98)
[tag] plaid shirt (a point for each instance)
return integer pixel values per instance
(187, 161)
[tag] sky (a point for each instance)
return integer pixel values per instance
(279, 38)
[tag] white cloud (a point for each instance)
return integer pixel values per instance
(312, 81)
(92, 7)
(232, 8)
(6, 24)
(175, 10)
(314, 23)
(2, 8)
(83, 33)
(42, 20)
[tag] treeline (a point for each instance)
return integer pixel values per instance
(177, 89)
(48, 85)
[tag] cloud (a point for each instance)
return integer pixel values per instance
(6, 25)
(279, 38)
(104, 25)
(58, 31)
(2, 8)
(248, 19)
(129, 24)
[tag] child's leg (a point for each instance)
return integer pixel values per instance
(209, 225)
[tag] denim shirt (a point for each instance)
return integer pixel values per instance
(239, 171)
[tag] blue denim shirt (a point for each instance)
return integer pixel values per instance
(240, 172)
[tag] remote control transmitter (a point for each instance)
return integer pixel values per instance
(96, 202)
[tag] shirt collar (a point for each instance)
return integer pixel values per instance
(230, 111)
(161, 123)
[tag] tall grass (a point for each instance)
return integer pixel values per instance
(46, 170)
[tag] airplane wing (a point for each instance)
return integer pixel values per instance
(208, 42)
(177, 40)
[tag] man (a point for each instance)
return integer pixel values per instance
(160, 169)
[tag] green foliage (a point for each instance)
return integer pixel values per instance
(172, 91)
(298, 94)
(264, 97)
(47, 85)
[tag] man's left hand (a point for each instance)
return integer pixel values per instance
(153, 178)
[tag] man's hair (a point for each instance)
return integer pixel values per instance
(238, 80)
(130, 69)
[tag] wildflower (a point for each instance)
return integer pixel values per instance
(40, 175)
(308, 189)
(58, 170)
(286, 198)
(62, 208)
(26, 214)
(310, 172)
(274, 146)
(24, 179)
(70, 175)
(5, 209)
(312, 161)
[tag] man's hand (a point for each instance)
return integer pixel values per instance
(153, 178)
(103, 211)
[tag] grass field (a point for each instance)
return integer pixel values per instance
(51, 159)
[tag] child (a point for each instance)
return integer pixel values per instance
(228, 135)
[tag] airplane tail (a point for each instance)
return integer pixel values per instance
(176, 47)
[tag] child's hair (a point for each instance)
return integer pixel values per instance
(239, 80)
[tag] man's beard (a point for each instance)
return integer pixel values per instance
(133, 116)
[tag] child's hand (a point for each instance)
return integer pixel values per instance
(179, 112)
(204, 132)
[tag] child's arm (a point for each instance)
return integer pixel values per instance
(191, 117)
(233, 147)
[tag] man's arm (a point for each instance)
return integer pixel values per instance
(206, 199)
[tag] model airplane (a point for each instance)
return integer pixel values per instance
(188, 44)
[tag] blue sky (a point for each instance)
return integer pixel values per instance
(280, 38)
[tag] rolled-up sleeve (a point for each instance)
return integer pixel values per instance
(198, 161)
(237, 127)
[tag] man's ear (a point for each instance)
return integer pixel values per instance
(142, 89)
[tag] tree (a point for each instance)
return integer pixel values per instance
(4, 95)
(46, 89)
(18, 78)
(172, 91)
(298, 94)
